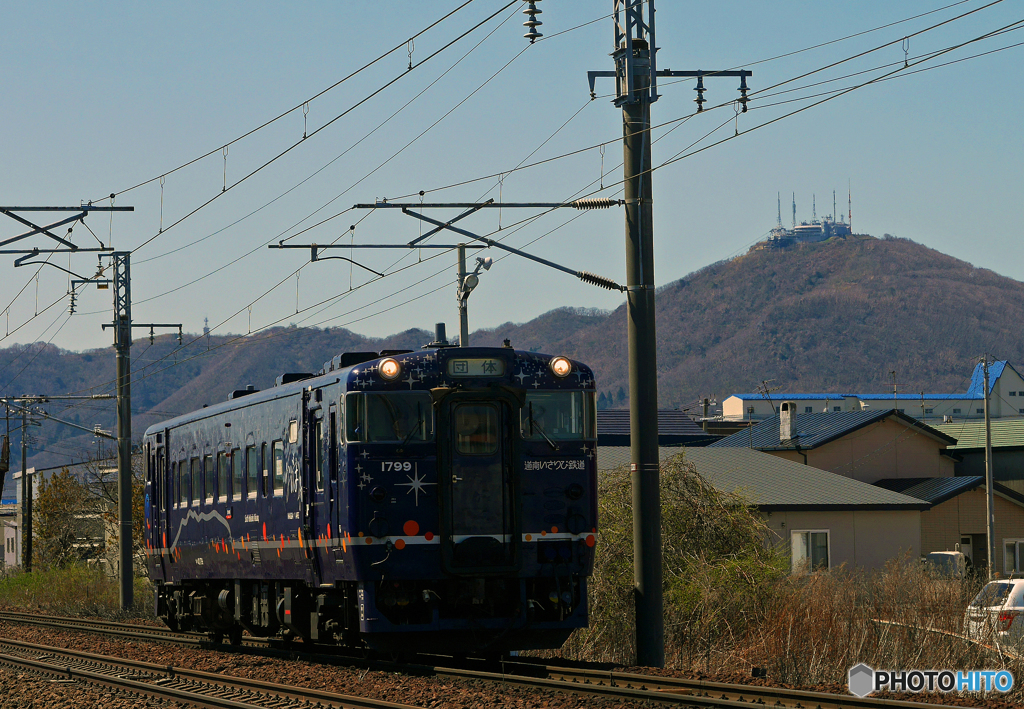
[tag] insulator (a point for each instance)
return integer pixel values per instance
(597, 280)
(599, 203)
(532, 23)
(743, 93)
(700, 100)
(71, 305)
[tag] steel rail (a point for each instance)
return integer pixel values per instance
(521, 672)
(206, 689)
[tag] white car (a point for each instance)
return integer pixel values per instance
(996, 615)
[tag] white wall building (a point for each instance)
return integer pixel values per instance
(1006, 399)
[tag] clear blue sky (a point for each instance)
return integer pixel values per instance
(101, 96)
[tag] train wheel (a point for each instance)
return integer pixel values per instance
(235, 635)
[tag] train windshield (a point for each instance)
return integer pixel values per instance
(558, 415)
(391, 417)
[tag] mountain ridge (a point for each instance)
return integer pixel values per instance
(832, 316)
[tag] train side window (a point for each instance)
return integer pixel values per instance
(278, 467)
(237, 474)
(318, 454)
(264, 466)
(223, 477)
(196, 491)
(173, 496)
(252, 470)
(211, 478)
(182, 483)
(332, 444)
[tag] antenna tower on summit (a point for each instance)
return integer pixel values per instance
(849, 202)
(779, 197)
(814, 207)
(833, 205)
(794, 210)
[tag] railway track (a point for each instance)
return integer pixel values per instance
(201, 689)
(519, 673)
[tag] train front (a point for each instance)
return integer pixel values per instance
(471, 476)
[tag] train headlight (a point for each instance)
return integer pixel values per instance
(561, 367)
(389, 369)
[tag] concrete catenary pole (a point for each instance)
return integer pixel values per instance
(643, 365)
(990, 513)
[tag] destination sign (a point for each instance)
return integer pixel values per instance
(476, 367)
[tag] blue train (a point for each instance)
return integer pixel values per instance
(440, 500)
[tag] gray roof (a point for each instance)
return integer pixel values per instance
(814, 430)
(671, 422)
(773, 483)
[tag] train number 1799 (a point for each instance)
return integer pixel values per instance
(396, 466)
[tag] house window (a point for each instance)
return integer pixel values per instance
(1021, 393)
(1013, 393)
(1013, 556)
(981, 411)
(810, 549)
(808, 409)
(837, 408)
(929, 411)
(1020, 411)
(956, 411)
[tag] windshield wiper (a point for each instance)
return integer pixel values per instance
(419, 424)
(539, 428)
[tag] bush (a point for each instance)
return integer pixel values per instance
(76, 590)
(716, 568)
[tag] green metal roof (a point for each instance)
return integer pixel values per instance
(771, 482)
(971, 434)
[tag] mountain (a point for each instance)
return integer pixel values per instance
(833, 316)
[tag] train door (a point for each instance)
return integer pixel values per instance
(332, 442)
(480, 525)
(314, 506)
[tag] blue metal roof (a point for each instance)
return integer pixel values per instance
(932, 490)
(817, 429)
(974, 391)
(978, 378)
(938, 490)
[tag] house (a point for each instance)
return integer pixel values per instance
(956, 515)
(821, 518)
(864, 445)
(675, 428)
(1007, 449)
(1006, 400)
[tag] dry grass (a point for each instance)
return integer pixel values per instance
(734, 606)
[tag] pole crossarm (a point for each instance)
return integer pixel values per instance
(582, 275)
(576, 204)
(371, 246)
(82, 210)
(47, 416)
(36, 252)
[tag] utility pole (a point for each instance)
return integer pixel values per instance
(636, 75)
(26, 499)
(21, 404)
(990, 513)
(121, 262)
(463, 299)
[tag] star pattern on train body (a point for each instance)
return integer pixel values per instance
(416, 485)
